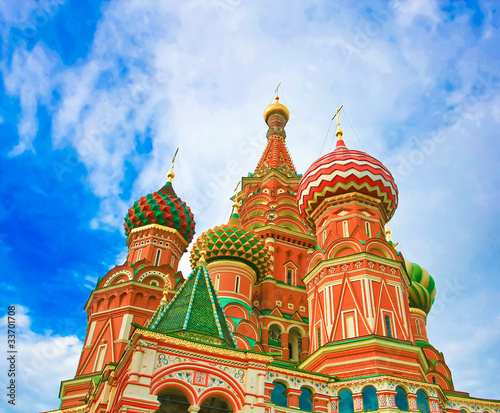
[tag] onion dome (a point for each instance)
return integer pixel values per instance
(343, 171)
(233, 242)
(163, 207)
(422, 290)
(276, 108)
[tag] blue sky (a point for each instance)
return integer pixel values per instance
(96, 96)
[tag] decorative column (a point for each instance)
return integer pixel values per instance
(265, 338)
(292, 398)
(268, 389)
(386, 399)
(285, 352)
(305, 348)
(434, 404)
(320, 403)
(358, 402)
(412, 402)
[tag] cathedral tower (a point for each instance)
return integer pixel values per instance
(159, 227)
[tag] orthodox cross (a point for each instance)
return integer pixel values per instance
(337, 114)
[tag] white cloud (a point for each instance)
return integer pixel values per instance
(44, 359)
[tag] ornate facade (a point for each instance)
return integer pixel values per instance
(300, 302)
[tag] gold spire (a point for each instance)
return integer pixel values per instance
(339, 131)
(388, 234)
(171, 174)
(388, 237)
(165, 292)
(203, 254)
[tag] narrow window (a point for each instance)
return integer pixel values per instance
(423, 402)
(346, 403)
(217, 282)
(305, 400)
(172, 261)
(318, 336)
(139, 255)
(158, 255)
(278, 396)
(345, 228)
(368, 229)
(237, 284)
(401, 399)
(388, 328)
(324, 236)
(418, 327)
(349, 326)
(434, 380)
(289, 276)
(99, 360)
(370, 401)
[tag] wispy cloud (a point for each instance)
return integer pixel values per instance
(42, 358)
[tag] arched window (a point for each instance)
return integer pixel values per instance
(172, 261)
(237, 284)
(346, 404)
(217, 282)
(275, 335)
(370, 402)
(434, 379)
(368, 229)
(278, 396)
(173, 399)
(345, 229)
(295, 344)
(423, 402)
(418, 327)
(318, 336)
(402, 399)
(388, 328)
(305, 400)
(215, 404)
(324, 236)
(158, 255)
(289, 276)
(139, 253)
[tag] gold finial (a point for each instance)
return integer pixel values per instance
(202, 260)
(171, 174)
(203, 253)
(165, 293)
(388, 234)
(339, 131)
(277, 107)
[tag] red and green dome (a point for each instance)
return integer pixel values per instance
(342, 171)
(163, 208)
(231, 241)
(422, 291)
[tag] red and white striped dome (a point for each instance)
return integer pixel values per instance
(342, 171)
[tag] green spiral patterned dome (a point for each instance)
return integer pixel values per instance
(422, 291)
(231, 241)
(163, 207)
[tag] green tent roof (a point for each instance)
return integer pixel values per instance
(194, 312)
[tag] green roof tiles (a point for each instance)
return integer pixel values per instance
(194, 311)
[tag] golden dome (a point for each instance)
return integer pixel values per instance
(278, 108)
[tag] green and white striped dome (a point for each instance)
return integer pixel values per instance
(422, 290)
